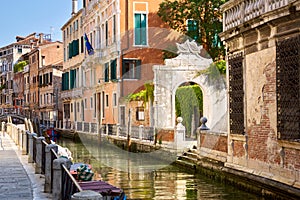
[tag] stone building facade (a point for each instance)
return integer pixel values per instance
(125, 50)
(263, 54)
(9, 56)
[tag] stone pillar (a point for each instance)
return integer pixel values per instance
(30, 146)
(87, 195)
(141, 130)
(179, 135)
(118, 130)
(202, 128)
(48, 157)
(24, 142)
(39, 155)
(57, 176)
(106, 129)
(18, 138)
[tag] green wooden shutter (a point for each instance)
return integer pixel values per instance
(71, 50)
(106, 72)
(72, 79)
(82, 44)
(113, 69)
(67, 81)
(193, 29)
(137, 29)
(143, 29)
(63, 82)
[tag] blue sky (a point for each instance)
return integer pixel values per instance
(23, 17)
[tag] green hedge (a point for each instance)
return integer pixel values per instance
(188, 98)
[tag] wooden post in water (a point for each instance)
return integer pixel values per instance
(129, 130)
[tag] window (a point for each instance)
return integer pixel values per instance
(65, 81)
(114, 99)
(131, 69)
(51, 78)
(85, 103)
(94, 105)
(287, 88)
(91, 39)
(91, 102)
(19, 49)
(114, 28)
(71, 107)
(122, 112)
(103, 106)
(81, 44)
(140, 29)
(113, 69)
(67, 111)
(106, 33)
(140, 114)
(72, 78)
(106, 101)
(193, 29)
(106, 72)
(236, 94)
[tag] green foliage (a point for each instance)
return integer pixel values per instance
(143, 95)
(20, 66)
(188, 100)
(207, 16)
(221, 65)
(2, 86)
(214, 71)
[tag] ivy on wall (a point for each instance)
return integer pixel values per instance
(145, 95)
(189, 99)
(20, 66)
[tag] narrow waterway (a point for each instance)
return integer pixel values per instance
(150, 179)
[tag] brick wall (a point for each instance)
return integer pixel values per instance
(165, 135)
(214, 142)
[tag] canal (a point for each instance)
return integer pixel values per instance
(149, 179)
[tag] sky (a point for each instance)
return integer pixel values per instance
(23, 17)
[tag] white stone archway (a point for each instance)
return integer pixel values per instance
(189, 66)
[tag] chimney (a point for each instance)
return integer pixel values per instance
(74, 6)
(41, 38)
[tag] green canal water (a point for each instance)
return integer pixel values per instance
(147, 179)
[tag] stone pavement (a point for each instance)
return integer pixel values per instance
(17, 178)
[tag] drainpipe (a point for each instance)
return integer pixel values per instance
(127, 43)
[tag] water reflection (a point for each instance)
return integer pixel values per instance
(162, 183)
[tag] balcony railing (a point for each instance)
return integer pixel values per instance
(74, 93)
(241, 11)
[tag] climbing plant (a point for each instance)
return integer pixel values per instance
(20, 66)
(145, 95)
(187, 100)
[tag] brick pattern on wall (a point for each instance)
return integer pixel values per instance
(214, 142)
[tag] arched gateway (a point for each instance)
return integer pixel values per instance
(189, 66)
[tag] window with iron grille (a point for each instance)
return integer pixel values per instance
(236, 94)
(287, 88)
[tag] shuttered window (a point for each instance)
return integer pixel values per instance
(113, 70)
(106, 72)
(131, 69)
(140, 29)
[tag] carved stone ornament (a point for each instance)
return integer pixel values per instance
(188, 55)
